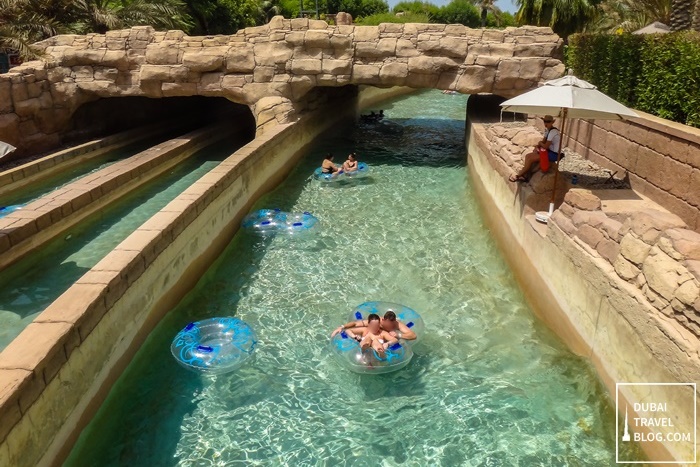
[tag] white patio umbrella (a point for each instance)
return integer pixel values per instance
(5, 149)
(567, 97)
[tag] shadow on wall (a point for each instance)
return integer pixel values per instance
(112, 115)
(486, 108)
(103, 117)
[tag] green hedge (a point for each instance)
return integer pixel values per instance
(655, 73)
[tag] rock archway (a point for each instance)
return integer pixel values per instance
(271, 68)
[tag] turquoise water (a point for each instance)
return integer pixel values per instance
(29, 286)
(488, 386)
(62, 178)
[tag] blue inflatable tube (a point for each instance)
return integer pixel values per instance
(404, 314)
(362, 170)
(5, 210)
(348, 352)
(274, 221)
(214, 346)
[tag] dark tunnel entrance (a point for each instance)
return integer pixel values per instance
(112, 115)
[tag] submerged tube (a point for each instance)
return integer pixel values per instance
(214, 346)
(273, 221)
(5, 210)
(404, 314)
(362, 170)
(348, 352)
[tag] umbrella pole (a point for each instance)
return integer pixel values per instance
(556, 171)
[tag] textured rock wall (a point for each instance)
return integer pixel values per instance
(652, 250)
(270, 68)
(634, 322)
(508, 145)
(661, 157)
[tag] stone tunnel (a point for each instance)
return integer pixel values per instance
(272, 69)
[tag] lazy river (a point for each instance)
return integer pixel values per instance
(488, 385)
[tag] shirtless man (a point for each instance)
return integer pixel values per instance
(374, 336)
(388, 323)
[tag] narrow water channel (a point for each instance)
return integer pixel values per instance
(61, 178)
(29, 286)
(488, 386)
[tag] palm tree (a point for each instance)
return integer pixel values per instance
(630, 15)
(102, 15)
(696, 16)
(23, 22)
(681, 14)
(565, 17)
(486, 7)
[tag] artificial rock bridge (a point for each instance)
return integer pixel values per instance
(273, 69)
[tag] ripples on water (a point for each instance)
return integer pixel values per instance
(488, 385)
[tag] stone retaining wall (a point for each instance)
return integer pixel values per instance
(58, 371)
(651, 250)
(279, 62)
(661, 157)
(41, 220)
(620, 289)
(508, 147)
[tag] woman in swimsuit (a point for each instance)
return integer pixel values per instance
(350, 165)
(328, 167)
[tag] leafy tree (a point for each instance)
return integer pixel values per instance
(656, 73)
(374, 20)
(416, 7)
(228, 16)
(290, 8)
(504, 19)
(459, 12)
(332, 6)
(362, 8)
